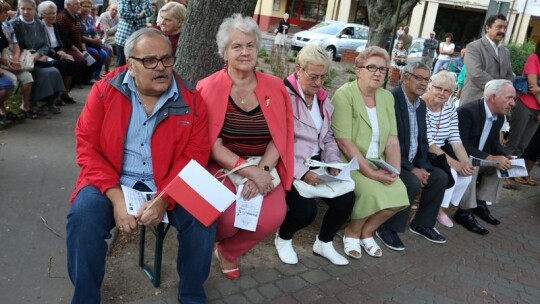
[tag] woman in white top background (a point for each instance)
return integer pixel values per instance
(446, 50)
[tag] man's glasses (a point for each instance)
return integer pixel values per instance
(418, 77)
(314, 77)
(441, 89)
(373, 68)
(152, 62)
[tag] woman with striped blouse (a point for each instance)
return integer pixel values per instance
(443, 130)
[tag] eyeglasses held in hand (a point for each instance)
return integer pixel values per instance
(373, 68)
(152, 62)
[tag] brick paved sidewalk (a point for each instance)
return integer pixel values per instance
(501, 267)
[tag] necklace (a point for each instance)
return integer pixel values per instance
(243, 99)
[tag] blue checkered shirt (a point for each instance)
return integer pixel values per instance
(130, 21)
(413, 125)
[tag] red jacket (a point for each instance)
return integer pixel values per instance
(180, 134)
(275, 105)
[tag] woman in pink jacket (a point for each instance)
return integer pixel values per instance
(313, 139)
(249, 115)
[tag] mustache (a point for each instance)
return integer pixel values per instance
(156, 75)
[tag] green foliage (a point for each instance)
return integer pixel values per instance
(350, 70)
(263, 53)
(352, 78)
(332, 73)
(279, 63)
(519, 54)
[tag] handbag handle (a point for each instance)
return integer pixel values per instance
(315, 163)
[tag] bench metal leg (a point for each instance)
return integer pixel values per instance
(160, 231)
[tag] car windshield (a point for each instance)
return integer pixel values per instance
(326, 28)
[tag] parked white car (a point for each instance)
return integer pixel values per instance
(333, 36)
(415, 53)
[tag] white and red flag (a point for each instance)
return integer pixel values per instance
(200, 193)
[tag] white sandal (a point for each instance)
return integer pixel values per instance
(371, 247)
(350, 245)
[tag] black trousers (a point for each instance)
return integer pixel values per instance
(430, 201)
(302, 212)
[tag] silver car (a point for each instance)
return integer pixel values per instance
(333, 36)
(415, 53)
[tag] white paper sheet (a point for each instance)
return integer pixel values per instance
(384, 165)
(478, 162)
(518, 169)
(247, 211)
(135, 199)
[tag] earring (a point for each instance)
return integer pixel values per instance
(225, 65)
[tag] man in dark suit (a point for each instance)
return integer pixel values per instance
(416, 170)
(486, 59)
(479, 125)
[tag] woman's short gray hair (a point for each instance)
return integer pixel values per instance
(132, 40)
(237, 22)
(494, 86)
(444, 78)
(372, 51)
(45, 5)
(313, 54)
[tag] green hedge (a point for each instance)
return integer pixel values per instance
(519, 54)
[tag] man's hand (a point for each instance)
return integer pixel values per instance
(467, 170)
(422, 175)
(504, 162)
(124, 221)
(152, 215)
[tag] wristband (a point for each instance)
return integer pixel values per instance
(239, 162)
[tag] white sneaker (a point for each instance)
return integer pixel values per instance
(328, 251)
(285, 250)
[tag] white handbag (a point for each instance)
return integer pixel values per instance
(238, 179)
(329, 189)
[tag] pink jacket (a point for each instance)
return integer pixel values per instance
(275, 105)
(305, 133)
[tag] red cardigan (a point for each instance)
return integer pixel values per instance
(275, 105)
(180, 134)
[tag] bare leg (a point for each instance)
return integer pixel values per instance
(26, 91)
(374, 221)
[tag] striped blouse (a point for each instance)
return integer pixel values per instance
(245, 133)
(443, 127)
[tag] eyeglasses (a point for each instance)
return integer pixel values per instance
(152, 62)
(86, 6)
(441, 89)
(374, 68)
(314, 77)
(418, 77)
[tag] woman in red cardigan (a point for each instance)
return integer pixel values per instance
(249, 115)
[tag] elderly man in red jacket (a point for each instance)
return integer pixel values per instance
(140, 126)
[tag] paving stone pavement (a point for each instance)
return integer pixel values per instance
(501, 267)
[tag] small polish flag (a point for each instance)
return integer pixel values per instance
(200, 193)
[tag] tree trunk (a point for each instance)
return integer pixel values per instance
(196, 55)
(382, 15)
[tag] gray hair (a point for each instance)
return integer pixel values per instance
(444, 77)
(313, 54)
(178, 11)
(411, 66)
(494, 86)
(45, 5)
(372, 51)
(27, 1)
(132, 40)
(245, 25)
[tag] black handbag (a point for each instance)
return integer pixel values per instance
(45, 64)
(440, 162)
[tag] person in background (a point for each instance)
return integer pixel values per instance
(152, 21)
(135, 135)
(487, 58)
(172, 15)
(428, 53)
(314, 139)
(109, 24)
(479, 125)
(63, 61)
(446, 50)
(92, 40)
(417, 172)
(406, 38)
(133, 15)
(281, 32)
(399, 55)
(249, 114)
(364, 125)
(443, 133)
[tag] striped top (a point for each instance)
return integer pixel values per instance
(443, 127)
(245, 133)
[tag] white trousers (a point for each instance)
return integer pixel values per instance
(453, 195)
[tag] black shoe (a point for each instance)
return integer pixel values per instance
(482, 212)
(428, 233)
(390, 239)
(54, 109)
(467, 220)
